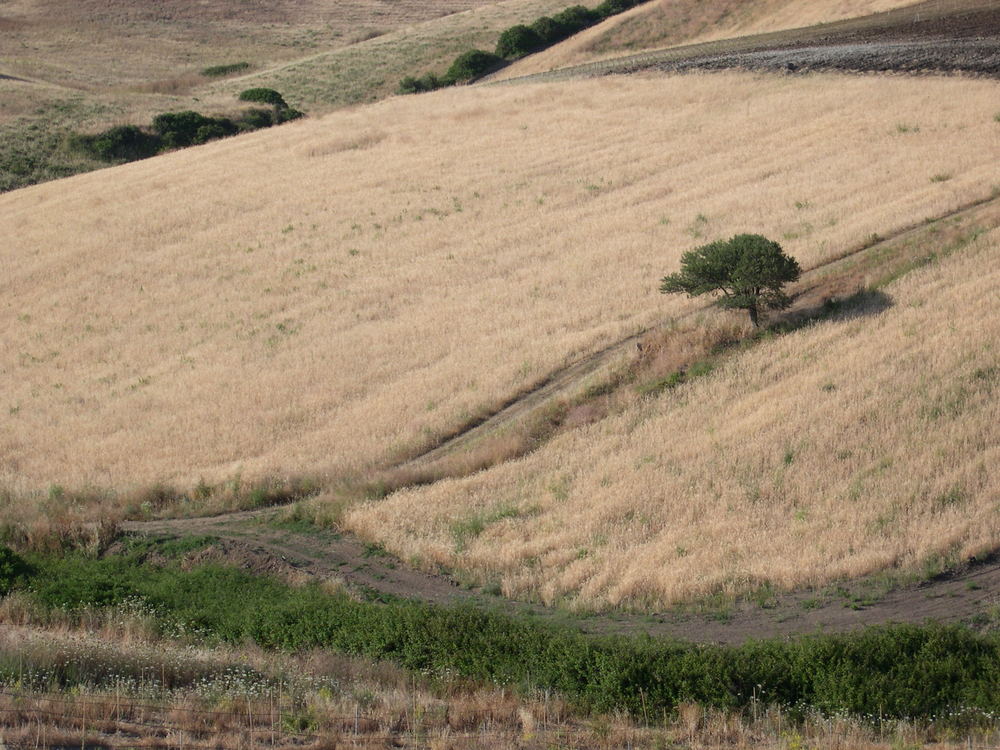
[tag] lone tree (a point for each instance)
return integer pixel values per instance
(748, 269)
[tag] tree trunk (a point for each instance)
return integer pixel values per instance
(753, 316)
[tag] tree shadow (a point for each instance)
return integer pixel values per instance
(864, 303)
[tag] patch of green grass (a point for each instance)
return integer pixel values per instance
(218, 71)
(893, 671)
(467, 529)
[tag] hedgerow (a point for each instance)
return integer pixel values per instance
(518, 41)
(892, 671)
(170, 130)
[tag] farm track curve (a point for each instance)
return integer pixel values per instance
(257, 540)
(964, 41)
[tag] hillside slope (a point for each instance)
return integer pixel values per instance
(340, 292)
(863, 443)
(665, 23)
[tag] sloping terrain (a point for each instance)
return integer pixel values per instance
(929, 37)
(345, 291)
(672, 22)
(859, 444)
(83, 67)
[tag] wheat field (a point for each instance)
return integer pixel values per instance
(330, 295)
(665, 23)
(863, 443)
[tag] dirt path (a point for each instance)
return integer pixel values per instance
(258, 540)
(255, 541)
(937, 36)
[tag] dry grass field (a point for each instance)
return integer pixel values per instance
(862, 443)
(85, 66)
(336, 293)
(664, 23)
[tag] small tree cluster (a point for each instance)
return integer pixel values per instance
(170, 130)
(517, 42)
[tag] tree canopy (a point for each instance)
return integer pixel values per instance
(749, 270)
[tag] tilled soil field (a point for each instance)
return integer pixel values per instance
(930, 37)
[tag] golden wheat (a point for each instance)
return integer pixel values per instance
(863, 443)
(330, 294)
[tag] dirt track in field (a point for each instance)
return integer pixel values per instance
(258, 541)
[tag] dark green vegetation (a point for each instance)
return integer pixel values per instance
(171, 130)
(749, 270)
(218, 71)
(517, 42)
(897, 671)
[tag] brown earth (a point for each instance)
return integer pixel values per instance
(960, 36)
(259, 541)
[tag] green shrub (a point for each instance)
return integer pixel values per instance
(576, 18)
(610, 8)
(518, 41)
(263, 96)
(255, 119)
(287, 114)
(120, 143)
(217, 71)
(427, 82)
(180, 129)
(472, 64)
(891, 671)
(550, 31)
(12, 570)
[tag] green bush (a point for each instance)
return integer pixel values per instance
(217, 71)
(550, 31)
(121, 143)
(12, 570)
(576, 18)
(518, 41)
(610, 8)
(255, 119)
(287, 114)
(472, 64)
(181, 129)
(263, 96)
(892, 671)
(427, 82)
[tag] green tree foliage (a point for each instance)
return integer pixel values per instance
(576, 18)
(748, 269)
(472, 64)
(263, 96)
(120, 143)
(188, 128)
(614, 7)
(550, 31)
(518, 41)
(12, 570)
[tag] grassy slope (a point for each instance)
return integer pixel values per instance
(319, 297)
(87, 66)
(168, 321)
(656, 25)
(862, 443)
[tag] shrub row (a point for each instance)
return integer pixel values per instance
(217, 71)
(181, 129)
(892, 671)
(517, 42)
